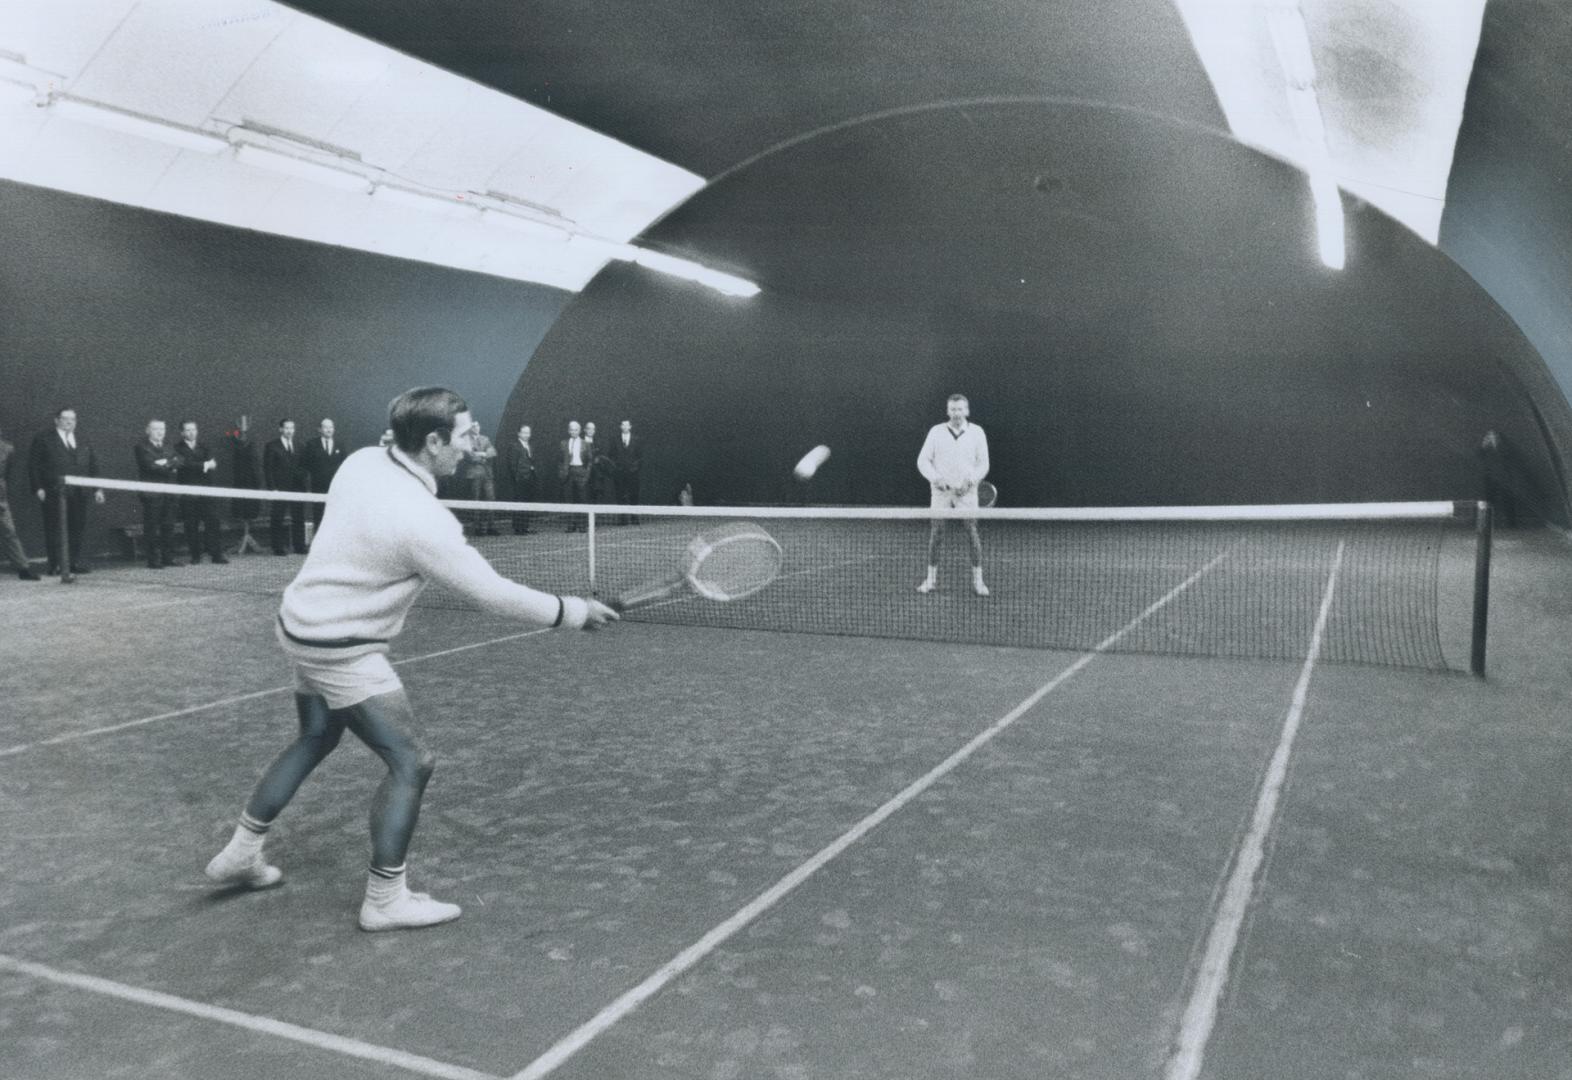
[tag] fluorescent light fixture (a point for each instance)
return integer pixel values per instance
(142, 127)
(260, 157)
(1291, 40)
(1328, 220)
(692, 271)
(440, 205)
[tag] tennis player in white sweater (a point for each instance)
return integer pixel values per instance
(954, 458)
(384, 536)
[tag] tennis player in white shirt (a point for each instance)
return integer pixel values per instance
(384, 536)
(953, 460)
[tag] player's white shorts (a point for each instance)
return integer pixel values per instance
(342, 680)
(947, 500)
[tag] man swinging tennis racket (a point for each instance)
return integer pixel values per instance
(383, 537)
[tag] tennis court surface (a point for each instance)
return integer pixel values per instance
(713, 851)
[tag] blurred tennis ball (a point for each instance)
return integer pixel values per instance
(810, 462)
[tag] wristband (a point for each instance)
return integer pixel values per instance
(561, 609)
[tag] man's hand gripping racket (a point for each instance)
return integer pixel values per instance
(726, 563)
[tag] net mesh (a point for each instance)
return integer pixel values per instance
(1401, 589)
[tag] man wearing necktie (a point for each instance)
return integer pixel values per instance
(155, 462)
(55, 454)
(574, 470)
(320, 460)
(627, 458)
(519, 471)
(281, 471)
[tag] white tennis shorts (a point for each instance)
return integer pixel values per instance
(341, 680)
(946, 500)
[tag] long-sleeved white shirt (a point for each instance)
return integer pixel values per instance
(384, 536)
(954, 458)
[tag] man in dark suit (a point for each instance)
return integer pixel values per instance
(9, 541)
(281, 471)
(518, 473)
(155, 462)
(194, 465)
(55, 454)
(627, 458)
(320, 460)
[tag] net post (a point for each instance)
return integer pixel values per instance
(63, 524)
(591, 533)
(1482, 535)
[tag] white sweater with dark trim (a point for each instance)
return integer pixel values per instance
(954, 459)
(384, 536)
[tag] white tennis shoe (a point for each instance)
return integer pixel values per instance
(230, 867)
(407, 911)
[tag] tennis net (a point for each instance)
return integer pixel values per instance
(1407, 581)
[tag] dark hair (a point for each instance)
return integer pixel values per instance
(416, 413)
(956, 397)
(281, 423)
(62, 410)
(193, 423)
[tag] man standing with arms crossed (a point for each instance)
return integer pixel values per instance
(386, 538)
(954, 458)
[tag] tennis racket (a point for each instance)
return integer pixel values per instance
(986, 493)
(726, 563)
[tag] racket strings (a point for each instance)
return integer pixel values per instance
(734, 562)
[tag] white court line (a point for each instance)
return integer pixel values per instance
(100, 611)
(1200, 1015)
(628, 1002)
(266, 1025)
(72, 736)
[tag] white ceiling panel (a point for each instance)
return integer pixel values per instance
(389, 137)
(175, 60)
(307, 79)
(104, 164)
(60, 37)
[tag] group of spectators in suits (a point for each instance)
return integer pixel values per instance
(590, 470)
(297, 465)
(287, 465)
(586, 471)
(61, 451)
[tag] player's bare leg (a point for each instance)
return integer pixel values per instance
(383, 724)
(935, 544)
(976, 543)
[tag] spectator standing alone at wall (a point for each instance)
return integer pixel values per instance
(57, 453)
(1495, 469)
